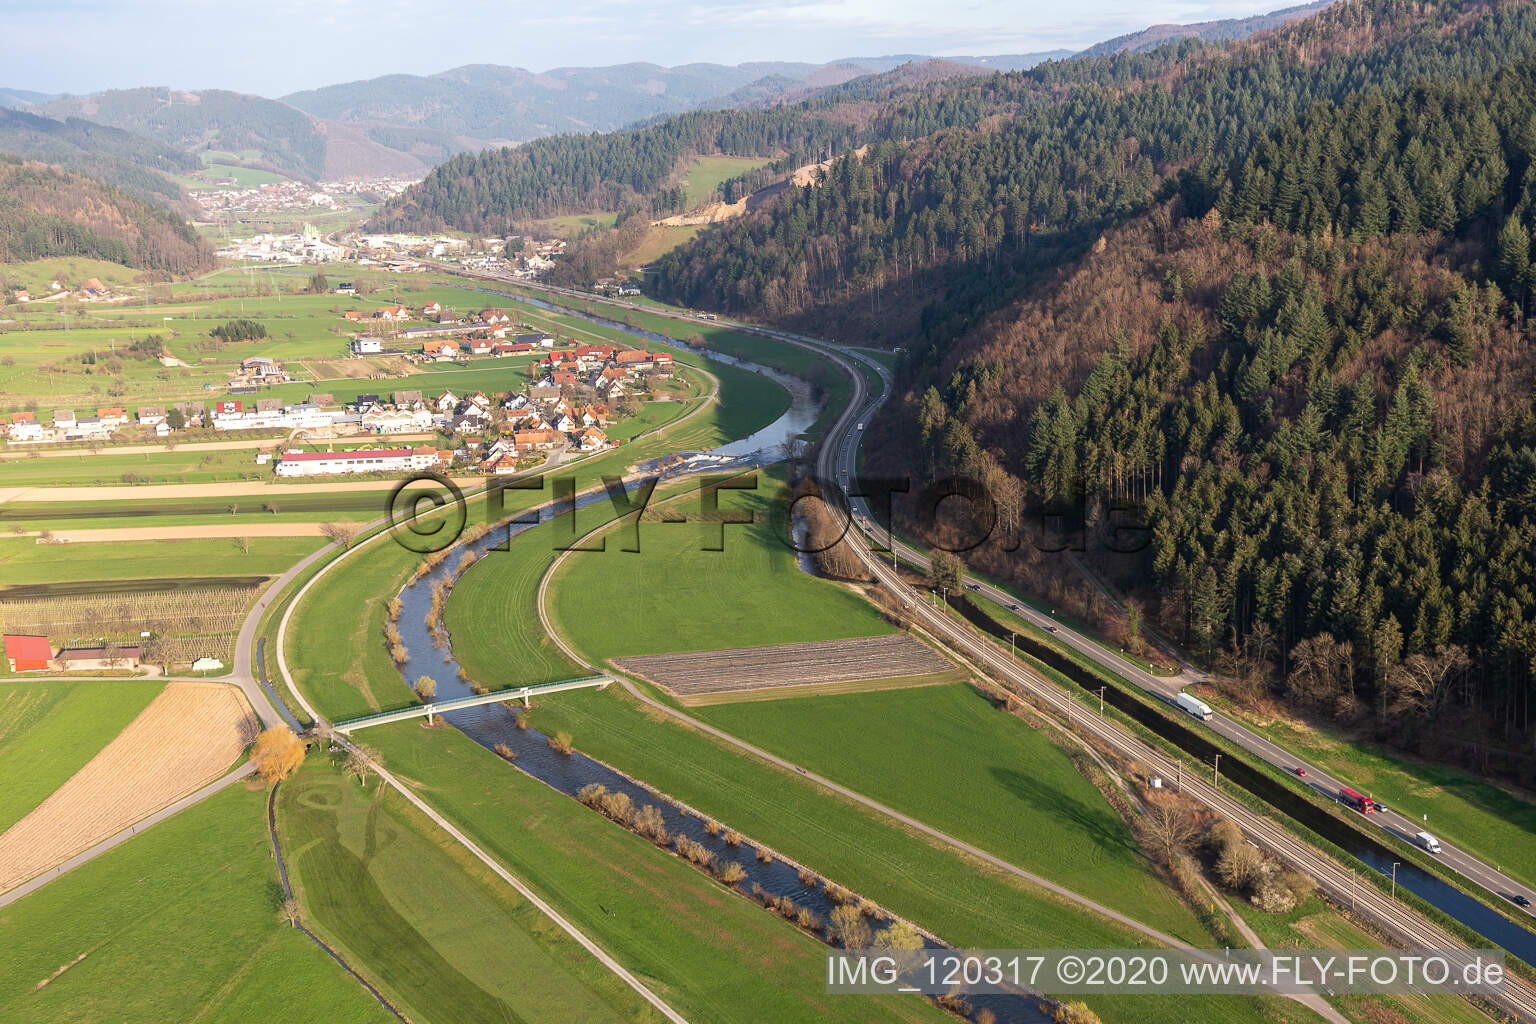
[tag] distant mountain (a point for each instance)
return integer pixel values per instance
(132, 162)
(1227, 28)
(284, 139)
(481, 105)
(47, 212)
(21, 97)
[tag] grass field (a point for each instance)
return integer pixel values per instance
(706, 173)
(180, 923)
(36, 275)
(959, 899)
(659, 241)
(574, 224)
(49, 729)
(444, 938)
(974, 771)
(712, 955)
(750, 594)
(23, 560)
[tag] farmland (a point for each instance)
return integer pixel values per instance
(424, 921)
(187, 623)
(186, 736)
(50, 728)
(706, 173)
(781, 665)
(110, 940)
(23, 560)
(961, 900)
(712, 955)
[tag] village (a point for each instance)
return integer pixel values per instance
(567, 401)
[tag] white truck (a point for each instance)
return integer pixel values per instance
(1193, 706)
(1427, 841)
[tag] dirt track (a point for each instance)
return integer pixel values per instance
(161, 448)
(123, 533)
(234, 489)
(187, 736)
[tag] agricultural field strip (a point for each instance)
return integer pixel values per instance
(750, 668)
(945, 838)
(184, 619)
(187, 735)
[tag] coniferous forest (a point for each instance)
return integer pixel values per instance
(1271, 295)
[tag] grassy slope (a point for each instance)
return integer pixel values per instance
(52, 729)
(706, 173)
(976, 772)
(424, 921)
(712, 955)
(179, 923)
(694, 599)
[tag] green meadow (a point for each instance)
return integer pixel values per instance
(179, 923)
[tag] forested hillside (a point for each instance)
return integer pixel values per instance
(46, 212)
(132, 162)
(1311, 371)
(288, 140)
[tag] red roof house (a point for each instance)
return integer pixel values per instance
(28, 653)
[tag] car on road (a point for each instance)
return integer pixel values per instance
(1013, 607)
(1519, 900)
(1052, 629)
(973, 586)
(1302, 772)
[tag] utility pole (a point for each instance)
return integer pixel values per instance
(1216, 778)
(1011, 638)
(1101, 702)
(1394, 879)
(1351, 890)
(1178, 785)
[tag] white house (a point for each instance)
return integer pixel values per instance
(365, 345)
(27, 430)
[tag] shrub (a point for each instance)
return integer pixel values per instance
(712, 828)
(1074, 1013)
(732, 838)
(505, 752)
(399, 654)
(764, 855)
(522, 721)
(560, 743)
(837, 894)
(649, 823)
(807, 877)
(807, 920)
(849, 928)
(591, 793)
(733, 873)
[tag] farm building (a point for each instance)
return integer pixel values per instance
(29, 653)
(101, 656)
(376, 460)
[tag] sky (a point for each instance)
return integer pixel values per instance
(274, 47)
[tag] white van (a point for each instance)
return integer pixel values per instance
(1427, 841)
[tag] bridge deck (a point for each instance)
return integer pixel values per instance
(474, 700)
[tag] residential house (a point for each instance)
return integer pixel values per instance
(25, 427)
(494, 316)
(112, 418)
(592, 439)
(443, 351)
(432, 310)
(480, 346)
(64, 418)
(367, 345)
(633, 359)
(478, 400)
(392, 314)
(354, 315)
(408, 400)
(227, 410)
(499, 465)
(446, 402)
(535, 440)
(151, 415)
(346, 288)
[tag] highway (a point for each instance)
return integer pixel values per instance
(1398, 822)
(837, 461)
(837, 458)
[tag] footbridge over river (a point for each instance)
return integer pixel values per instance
(522, 693)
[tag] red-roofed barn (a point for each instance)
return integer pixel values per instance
(28, 653)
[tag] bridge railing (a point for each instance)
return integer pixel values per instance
(474, 700)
